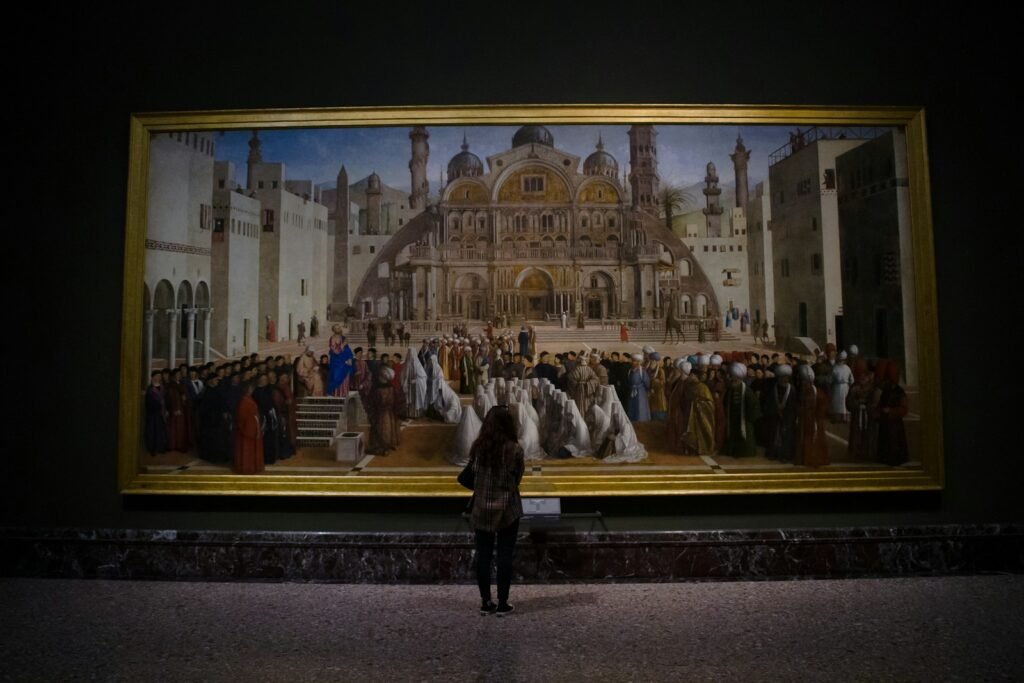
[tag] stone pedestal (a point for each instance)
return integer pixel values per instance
(348, 447)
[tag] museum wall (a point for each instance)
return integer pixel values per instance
(83, 71)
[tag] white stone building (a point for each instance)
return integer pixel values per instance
(724, 259)
(295, 248)
(235, 265)
(759, 256)
(179, 224)
(805, 233)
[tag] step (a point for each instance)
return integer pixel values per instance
(319, 413)
(317, 432)
(319, 410)
(304, 442)
(323, 424)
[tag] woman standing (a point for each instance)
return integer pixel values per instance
(498, 464)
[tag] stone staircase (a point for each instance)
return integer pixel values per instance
(319, 419)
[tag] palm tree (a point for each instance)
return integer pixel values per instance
(673, 198)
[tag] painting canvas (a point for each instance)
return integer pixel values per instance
(668, 300)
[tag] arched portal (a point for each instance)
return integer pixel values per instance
(163, 307)
(470, 293)
(702, 305)
(203, 306)
(599, 296)
(685, 304)
(185, 303)
(536, 293)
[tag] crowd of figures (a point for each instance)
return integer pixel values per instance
(241, 412)
(586, 403)
(566, 405)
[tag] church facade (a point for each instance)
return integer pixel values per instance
(538, 231)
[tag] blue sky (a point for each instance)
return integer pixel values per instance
(317, 154)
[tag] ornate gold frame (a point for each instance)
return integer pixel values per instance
(929, 477)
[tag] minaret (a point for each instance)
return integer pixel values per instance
(643, 162)
(740, 157)
(713, 210)
(341, 215)
(418, 168)
(373, 197)
(254, 158)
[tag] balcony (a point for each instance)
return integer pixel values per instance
(646, 250)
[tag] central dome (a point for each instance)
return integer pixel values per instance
(530, 135)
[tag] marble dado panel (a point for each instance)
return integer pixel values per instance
(543, 554)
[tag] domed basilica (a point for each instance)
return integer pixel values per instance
(532, 233)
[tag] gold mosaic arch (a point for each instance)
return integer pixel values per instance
(589, 189)
(509, 189)
(456, 192)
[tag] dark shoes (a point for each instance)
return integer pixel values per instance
(488, 608)
(505, 610)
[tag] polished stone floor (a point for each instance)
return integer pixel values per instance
(920, 629)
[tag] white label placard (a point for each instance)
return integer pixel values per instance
(542, 506)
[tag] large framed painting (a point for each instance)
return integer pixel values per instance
(669, 299)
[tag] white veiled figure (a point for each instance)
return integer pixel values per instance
(526, 428)
(600, 424)
(576, 435)
(500, 391)
(534, 388)
(483, 403)
(434, 380)
(448, 404)
(414, 381)
(465, 435)
(608, 397)
(627, 446)
(527, 402)
(492, 390)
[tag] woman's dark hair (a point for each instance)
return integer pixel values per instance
(498, 429)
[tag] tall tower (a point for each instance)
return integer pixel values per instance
(740, 157)
(341, 214)
(255, 157)
(418, 168)
(373, 197)
(713, 210)
(643, 163)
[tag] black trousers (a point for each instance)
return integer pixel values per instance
(485, 552)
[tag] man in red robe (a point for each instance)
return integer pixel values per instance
(177, 407)
(248, 435)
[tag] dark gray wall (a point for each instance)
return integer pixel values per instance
(80, 72)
